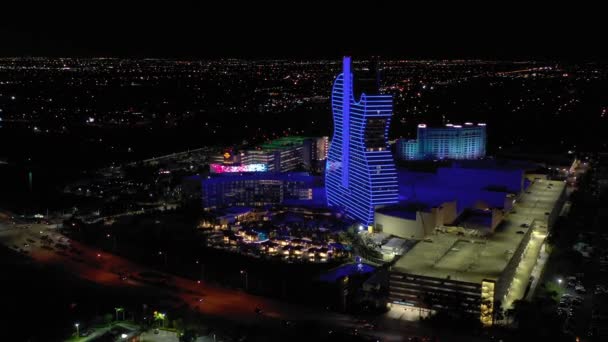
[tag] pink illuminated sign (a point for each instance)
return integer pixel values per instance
(220, 168)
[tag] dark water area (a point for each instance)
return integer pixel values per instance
(35, 189)
(38, 166)
(57, 157)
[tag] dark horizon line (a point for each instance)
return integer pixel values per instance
(336, 57)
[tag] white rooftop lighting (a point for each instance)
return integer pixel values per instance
(481, 124)
(468, 123)
(421, 126)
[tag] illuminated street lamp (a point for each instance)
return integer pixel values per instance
(243, 272)
(77, 331)
(559, 281)
(113, 237)
(117, 310)
(159, 316)
(164, 254)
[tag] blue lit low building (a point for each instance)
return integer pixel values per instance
(253, 189)
(466, 141)
(413, 220)
(432, 200)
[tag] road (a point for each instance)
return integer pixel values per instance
(103, 268)
(529, 264)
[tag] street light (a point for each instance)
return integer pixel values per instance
(108, 235)
(559, 280)
(243, 272)
(77, 331)
(164, 254)
(159, 316)
(117, 310)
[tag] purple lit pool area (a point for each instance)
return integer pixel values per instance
(353, 269)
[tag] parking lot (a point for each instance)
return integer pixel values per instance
(170, 336)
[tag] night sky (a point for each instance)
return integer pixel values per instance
(301, 29)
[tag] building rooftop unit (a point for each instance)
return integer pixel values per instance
(465, 259)
(474, 218)
(395, 243)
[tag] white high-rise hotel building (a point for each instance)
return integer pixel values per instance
(466, 141)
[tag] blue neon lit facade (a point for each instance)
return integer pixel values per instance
(449, 142)
(360, 172)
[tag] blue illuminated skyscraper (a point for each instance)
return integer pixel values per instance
(360, 173)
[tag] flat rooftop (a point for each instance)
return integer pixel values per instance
(505, 165)
(472, 259)
(283, 143)
(463, 258)
(538, 199)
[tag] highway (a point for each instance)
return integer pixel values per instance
(102, 268)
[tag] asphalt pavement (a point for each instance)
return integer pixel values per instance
(234, 305)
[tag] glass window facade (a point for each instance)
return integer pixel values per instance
(256, 189)
(360, 171)
(450, 142)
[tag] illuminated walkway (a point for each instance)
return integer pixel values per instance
(527, 264)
